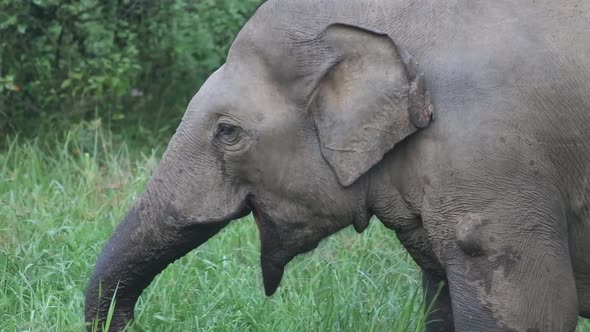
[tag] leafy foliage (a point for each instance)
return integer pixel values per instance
(63, 61)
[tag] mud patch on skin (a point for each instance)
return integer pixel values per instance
(496, 267)
(506, 261)
(469, 234)
(500, 264)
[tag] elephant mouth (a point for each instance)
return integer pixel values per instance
(273, 256)
(276, 250)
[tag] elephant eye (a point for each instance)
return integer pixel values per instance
(227, 132)
(225, 129)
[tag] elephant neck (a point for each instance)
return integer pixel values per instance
(389, 205)
(392, 195)
(395, 197)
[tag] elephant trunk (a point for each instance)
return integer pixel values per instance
(149, 239)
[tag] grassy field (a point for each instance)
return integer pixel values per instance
(60, 199)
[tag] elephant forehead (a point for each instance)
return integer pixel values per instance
(240, 90)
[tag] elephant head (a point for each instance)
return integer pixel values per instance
(288, 129)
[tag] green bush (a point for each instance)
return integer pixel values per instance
(63, 61)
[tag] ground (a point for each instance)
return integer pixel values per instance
(61, 198)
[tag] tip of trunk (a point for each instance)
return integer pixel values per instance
(105, 309)
(134, 255)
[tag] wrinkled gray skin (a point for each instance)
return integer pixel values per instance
(299, 126)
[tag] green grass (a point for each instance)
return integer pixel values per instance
(61, 198)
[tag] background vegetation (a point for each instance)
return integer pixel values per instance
(90, 91)
(130, 62)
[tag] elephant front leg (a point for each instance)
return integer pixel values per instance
(511, 271)
(438, 303)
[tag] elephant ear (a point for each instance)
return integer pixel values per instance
(370, 96)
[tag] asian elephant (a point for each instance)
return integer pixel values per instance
(462, 125)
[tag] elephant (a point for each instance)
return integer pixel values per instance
(462, 125)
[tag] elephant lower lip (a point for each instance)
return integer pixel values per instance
(272, 256)
(272, 276)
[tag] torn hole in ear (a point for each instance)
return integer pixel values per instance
(420, 105)
(421, 109)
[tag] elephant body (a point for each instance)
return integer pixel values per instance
(462, 125)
